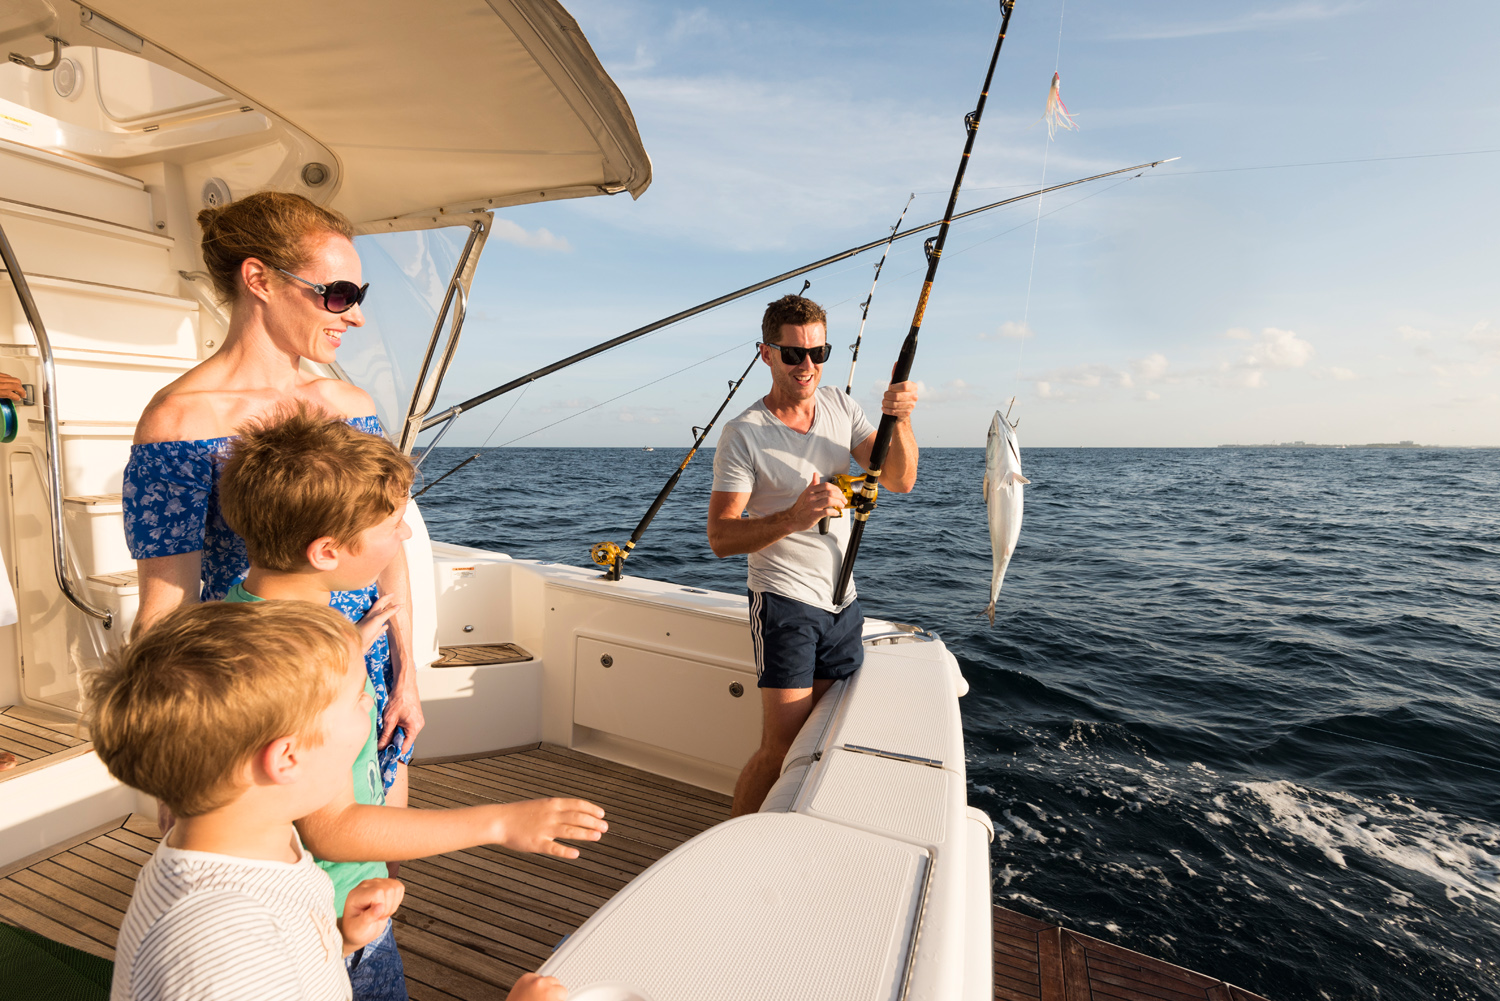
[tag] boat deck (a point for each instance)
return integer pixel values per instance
(1035, 961)
(473, 921)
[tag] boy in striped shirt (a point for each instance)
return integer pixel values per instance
(241, 719)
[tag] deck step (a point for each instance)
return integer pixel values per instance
(33, 738)
(480, 655)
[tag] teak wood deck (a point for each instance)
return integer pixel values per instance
(473, 921)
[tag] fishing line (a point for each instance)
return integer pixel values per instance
(628, 392)
(1007, 232)
(1398, 747)
(1037, 230)
(1326, 163)
(1332, 733)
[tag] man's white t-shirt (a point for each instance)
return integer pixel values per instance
(759, 455)
(210, 927)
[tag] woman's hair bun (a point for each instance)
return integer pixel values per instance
(270, 226)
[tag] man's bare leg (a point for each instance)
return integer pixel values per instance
(784, 712)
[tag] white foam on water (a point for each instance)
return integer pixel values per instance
(1461, 855)
(1025, 829)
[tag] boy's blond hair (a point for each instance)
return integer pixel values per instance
(303, 475)
(180, 710)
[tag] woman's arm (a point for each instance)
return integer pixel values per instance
(404, 708)
(166, 582)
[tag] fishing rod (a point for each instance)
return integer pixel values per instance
(849, 387)
(625, 338)
(611, 556)
(863, 502)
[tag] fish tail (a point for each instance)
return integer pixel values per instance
(990, 611)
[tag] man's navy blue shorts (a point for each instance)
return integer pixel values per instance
(796, 643)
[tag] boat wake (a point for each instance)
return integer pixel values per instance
(1290, 887)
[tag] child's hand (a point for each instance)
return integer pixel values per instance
(373, 624)
(366, 910)
(535, 987)
(533, 825)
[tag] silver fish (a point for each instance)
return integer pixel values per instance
(1002, 495)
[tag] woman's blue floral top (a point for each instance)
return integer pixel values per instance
(171, 499)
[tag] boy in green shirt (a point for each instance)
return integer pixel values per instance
(321, 507)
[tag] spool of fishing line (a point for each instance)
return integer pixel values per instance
(10, 424)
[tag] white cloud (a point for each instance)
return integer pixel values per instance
(1009, 330)
(1149, 395)
(1278, 349)
(1044, 390)
(1256, 20)
(1342, 374)
(1238, 334)
(540, 239)
(1153, 366)
(1413, 334)
(644, 415)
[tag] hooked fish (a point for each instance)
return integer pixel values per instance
(1002, 495)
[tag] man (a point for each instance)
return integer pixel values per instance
(770, 492)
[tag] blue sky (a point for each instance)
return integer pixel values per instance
(1204, 303)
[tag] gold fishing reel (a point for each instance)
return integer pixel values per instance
(605, 554)
(845, 484)
(846, 487)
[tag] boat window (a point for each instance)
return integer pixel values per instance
(132, 89)
(408, 275)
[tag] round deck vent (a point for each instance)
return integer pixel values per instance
(216, 194)
(314, 174)
(66, 77)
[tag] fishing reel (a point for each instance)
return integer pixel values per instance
(845, 484)
(605, 553)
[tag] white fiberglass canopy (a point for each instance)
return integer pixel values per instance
(431, 108)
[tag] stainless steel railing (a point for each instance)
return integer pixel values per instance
(456, 299)
(49, 422)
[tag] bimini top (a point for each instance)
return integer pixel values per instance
(431, 108)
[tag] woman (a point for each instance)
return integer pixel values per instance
(291, 274)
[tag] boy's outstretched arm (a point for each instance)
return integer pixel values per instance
(346, 831)
(535, 987)
(366, 910)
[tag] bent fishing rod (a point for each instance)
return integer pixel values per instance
(863, 501)
(611, 556)
(626, 338)
(849, 386)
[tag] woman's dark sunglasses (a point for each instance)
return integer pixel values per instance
(338, 297)
(792, 357)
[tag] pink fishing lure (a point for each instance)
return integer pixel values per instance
(1057, 115)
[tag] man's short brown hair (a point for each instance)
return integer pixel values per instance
(791, 309)
(304, 475)
(179, 711)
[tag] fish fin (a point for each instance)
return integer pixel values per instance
(990, 611)
(986, 490)
(1015, 478)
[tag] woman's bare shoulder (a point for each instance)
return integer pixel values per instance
(197, 406)
(178, 412)
(343, 398)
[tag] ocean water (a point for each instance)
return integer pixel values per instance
(1239, 708)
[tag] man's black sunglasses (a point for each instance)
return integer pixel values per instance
(792, 357)
(338, 297)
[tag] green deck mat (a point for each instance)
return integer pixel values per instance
(39, 969)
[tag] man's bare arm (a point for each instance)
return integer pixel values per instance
(900, 472)
(730, 535)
